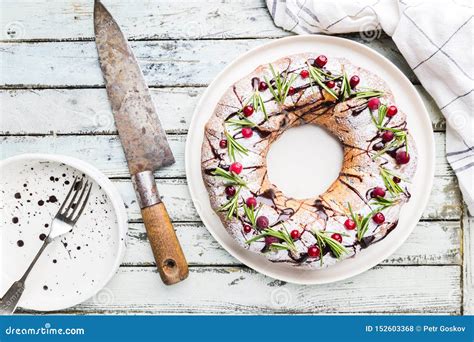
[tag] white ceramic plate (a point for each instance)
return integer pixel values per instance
(75, 267)
(406, 98)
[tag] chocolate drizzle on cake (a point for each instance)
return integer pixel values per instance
(307, 91)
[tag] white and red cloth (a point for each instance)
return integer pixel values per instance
(436, 39)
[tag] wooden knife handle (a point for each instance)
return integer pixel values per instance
(169, 256)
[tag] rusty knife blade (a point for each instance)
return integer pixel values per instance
(143, 139)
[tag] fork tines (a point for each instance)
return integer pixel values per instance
(71, 209)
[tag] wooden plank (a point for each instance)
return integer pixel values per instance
(168, 19)
(105, 152)
(444, 202)
(468, 258)
(384, 289)
(164, 63)
(201, 249)
(87, 111)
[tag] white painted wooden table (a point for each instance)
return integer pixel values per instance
(53, 100)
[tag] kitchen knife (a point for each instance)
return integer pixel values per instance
(143, 140)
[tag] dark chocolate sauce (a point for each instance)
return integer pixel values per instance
(261, 133)
(255, 82)
(351, 175)
(354, 190)
(303, 257)
(285, 215)
(356, 112)
(15, 220)
(321, 209)
(366, 241)
(17, 195)
(234, 89)
(267, 197)
(20, 243)
(378, 146)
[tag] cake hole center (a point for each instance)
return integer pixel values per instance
(304, 161)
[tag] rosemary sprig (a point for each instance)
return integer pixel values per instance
(234, 146)
(362, 222)
(400, 138)
(383, 203)
(241, 122)
(387, 177)
(232, 205)
(258, 104)
(279, 234)
(232, 179)
(381, 115)
(317, 76)
(345, 87)
(324, 239)
(282, 85)
(251, 214)
(367, 93)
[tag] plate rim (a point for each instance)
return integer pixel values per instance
(117, 203)
(423, 200)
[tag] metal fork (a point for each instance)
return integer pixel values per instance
(62, 223)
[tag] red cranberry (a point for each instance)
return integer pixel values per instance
(247, 228)
(330, 84)
(373, 103)
(262, 86)
(321, 61)
(262, 222)
(291, 91)
(377, 192)
(378, 218)
(304, 73)
(396, 179)
(354, 81)
(271, 239)
(251, 202)
(223, 143)
(248, 110)
(337, 237)
(230, 191)
(391, 111)
(247, 132)
(295, 234)
(402, 157)
(387, 136)
(236, 168)
(314, 251)
(350, 224)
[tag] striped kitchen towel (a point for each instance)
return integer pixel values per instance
(436, 39)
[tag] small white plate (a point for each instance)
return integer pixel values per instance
(76, 266)
(406, 98)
